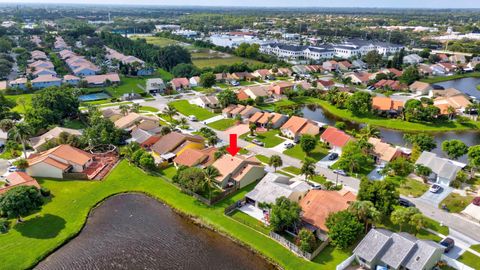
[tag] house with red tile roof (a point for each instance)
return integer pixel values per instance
(390, 85)
(102, 80)
(317, 205)
(386, 104)
(325, 84)
(56, 161)
(297, 126)
(196, 157)
(262, 119)
(344, 65)
(17, 179)
(335, 138)
(238, 171)
(262, 73)
(180, 83)
(361, 77)
(330, 65)
(384, 152)
(280, 87)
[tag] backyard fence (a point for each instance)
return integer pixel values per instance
(75, 176)
(229, 209)
(213, 200)
(295, 249)
(343, 265)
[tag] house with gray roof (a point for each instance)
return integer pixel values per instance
(443, 170)
(383, 248)
(274, 186)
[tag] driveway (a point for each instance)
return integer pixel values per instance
(375, 175)
(281, 147)
(436, 198)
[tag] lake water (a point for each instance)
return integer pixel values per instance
(393, 136)
(466, 85)
(133, 231)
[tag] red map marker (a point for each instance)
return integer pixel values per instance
(233, 148)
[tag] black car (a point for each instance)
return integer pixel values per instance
(448, 243)
(333, 156)
(405, 203)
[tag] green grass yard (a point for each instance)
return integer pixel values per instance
(456, 202)
(263, 158)
(412, 188)
(159, 41)
(317, 154)
(470, 259)
(187, 109)
(21, 108)
(127, 85)
(148, 109)
(64, 216)
(269, 138)
(250, 222)
(222, 124)
(217, 61)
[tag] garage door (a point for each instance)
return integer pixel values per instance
(444, 182)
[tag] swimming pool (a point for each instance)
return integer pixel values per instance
(94, 96)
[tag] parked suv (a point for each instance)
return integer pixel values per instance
(448, 243)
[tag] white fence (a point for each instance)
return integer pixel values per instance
(456, 264)
(295, 249)
(346, 263)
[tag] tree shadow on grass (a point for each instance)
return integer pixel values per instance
(41, 227)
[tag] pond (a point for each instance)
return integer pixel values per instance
(393, 136)
(94, 96)
(133, 231)
(466, 85)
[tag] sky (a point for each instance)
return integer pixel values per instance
(279, 3)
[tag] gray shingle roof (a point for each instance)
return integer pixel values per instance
(274, 186)
(442, 167)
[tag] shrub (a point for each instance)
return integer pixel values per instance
(4, 225)
(45, 192)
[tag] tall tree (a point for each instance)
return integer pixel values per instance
(308, 143)
(211, 174)
(21, 132)
(365, 211)
(284, 214)
(308, 168)
(343, 228)
(383, 194)
(454, 148)
(20, 201)
(275, 161)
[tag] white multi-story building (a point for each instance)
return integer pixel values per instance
(232, 41)
(361, 47)
(295, 52)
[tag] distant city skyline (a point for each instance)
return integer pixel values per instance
(275, 3)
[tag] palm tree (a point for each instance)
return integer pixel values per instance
(252, 128)
(212, 140)
(165, 130)
(183, 121)
(451, 112)
(21, 132)
(275, 161)
(170, 111)
(365, 211)
(135, 108)
(368, 131)
(128, 150)
(211, 173)
(124, 108)
(308, 168)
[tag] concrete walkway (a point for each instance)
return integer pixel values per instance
(213, 119)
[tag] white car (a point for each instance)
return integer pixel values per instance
(340, 172)
(193, 118)
(12, 169)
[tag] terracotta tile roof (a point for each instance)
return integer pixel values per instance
(238, 109)
(335, 137)
(241, 95)
(101, 79)
(19, 179)
(420, 86)
(395, 71)
(327, 83)
(317, 205)
(386, 104)
(180, 82)
(227, 165)
(46, 78)
(229, 108)
(63, 152)
(69, 77)
(276, 117)
(244, 171)
(295, 123)
(190, 157)
(310, 128)
(248, 110)
(127, 120)
(172, 141)
(384, 151)
(255, 117)
(265, 118)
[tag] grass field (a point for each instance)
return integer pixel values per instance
(148, 109)
(222, 124)
(456, 203)
(410, 187)
(64, 216)
(188, 109)
(317, 154)
(269, 138)
(21, 108)
(74, 124)
(213, 62)
(159, 41)
(128, 85)
(263, 158)
(470, 259)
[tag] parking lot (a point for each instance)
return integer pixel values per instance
(436, 198)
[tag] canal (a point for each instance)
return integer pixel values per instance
(133, 231)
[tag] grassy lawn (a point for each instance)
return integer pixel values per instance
(476, 247)
(187, 109)
(412, 188)
(128, 85)
(74, 124)
(397, 124)
(317, 154)
(452, 77)
(263, 158)
(19, 107)
(456, 203)
(217, 61)
(165, 75)
(269, 138)
(159, 41)
(64, 216)
(330, 257)
(148, 109)
(292, 170)
(435, 225)
(470, 259)
(251, 222)
(222, 124)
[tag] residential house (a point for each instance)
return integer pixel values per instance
(390, 85)
(70, 79)
(206, 102)
(325, 84)
(254, 92)
(38, 55)
(173, 144)
(438, 70)
(17, 179)
(457, 102)
(60, 44)
(443, 57)
(56, 161)
(317, 205)
(146, 138)
(41, 64)
(447, 67)
(388, 105)
(129, 121)
(420, 88)
(273, 186)
(263, 119)
(238, 171)
(359, 64)
(194, 81)
(38, 142)
(344, 65)
(102, 80)
(384, 152)
(360, 77)
(280, 87)
(247, 112)
(19, 83)
(220, 77)
(383, 249)
(388, 71)
(297, 126)
(155, 85)
(458, 59)
(242, 76)
(45, 81)
(412, 59)
(196, 158)
(305, 85)
(331, 65)
(42, 72)
(425, 70)
(85, 70)
(443, 170)
(141, 69)
(335, 138)
(449, 92)
(180, 83)
(300, 70)
(283, 72)
(262, 73)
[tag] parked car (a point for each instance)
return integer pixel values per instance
(405, 203)
(257, 142)
(289, 145)
(332, 156)
(448, 243)
(315, 186)
(12, 169)
(234, 83)
(340, 172)
(435, 188)
(193, 118)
